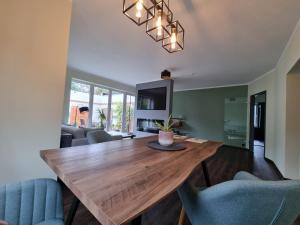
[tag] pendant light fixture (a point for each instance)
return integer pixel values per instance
(157, 27)
(139, 11)
(175, 42)
(159, 19)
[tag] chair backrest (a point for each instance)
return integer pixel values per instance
(99, 136)
(31, 202)
(244, 202)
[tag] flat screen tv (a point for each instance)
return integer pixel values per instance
(152, 99)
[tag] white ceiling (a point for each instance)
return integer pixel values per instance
(228, 42)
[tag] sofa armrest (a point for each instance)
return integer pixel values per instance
(3, 222)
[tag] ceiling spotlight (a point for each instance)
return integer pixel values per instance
(166, 75)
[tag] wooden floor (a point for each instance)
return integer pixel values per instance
(221, 167)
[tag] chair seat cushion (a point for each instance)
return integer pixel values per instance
(51, 222)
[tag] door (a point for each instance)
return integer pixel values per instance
(258, 123)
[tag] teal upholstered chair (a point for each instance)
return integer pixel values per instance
(245, 200)
(34, 202)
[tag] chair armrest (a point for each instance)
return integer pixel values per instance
(3, 222)
(245, 176)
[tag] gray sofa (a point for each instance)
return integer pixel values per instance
(79, 135)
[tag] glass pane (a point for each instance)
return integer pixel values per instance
(100, 107)
(79, 103)
(116, 111)
(235, 120)
(130, 104)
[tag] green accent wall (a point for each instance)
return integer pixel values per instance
(203, 110)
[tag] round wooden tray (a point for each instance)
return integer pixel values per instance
(174, 147)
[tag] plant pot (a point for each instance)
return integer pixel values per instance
(165, 138)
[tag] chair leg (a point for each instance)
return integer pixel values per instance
(205, 173)
(182, 217)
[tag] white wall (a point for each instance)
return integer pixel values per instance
(91, 78)
(266, 83)
(293, 125)
(275, 83)
(288, 59)
(33, 57)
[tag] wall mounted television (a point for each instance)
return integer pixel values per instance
(152, 99)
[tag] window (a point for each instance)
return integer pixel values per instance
(100, 107)
(117, 99)
(94, 106)
(130, 103)
(79, 101)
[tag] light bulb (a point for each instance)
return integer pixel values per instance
(138, 14)
(139, 7)
(159, 27)
(173, 40)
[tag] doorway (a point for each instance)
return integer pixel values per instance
(257, 139)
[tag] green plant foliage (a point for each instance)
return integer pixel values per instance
(101, 92)
(79, 87)
(167, 127)
(102, 116)
(129, 116)
(117, 111)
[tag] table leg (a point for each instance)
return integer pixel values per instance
(60, 181)
(72, 211)
(137, 221)
(205, 172)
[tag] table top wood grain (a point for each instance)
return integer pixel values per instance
(117, 181)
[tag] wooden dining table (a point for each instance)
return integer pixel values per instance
(118, 181)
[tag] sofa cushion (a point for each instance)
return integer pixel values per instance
(86, 130)
(75, 131)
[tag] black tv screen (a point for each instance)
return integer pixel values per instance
(152, 99)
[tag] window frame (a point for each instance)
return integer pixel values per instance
(109, 111)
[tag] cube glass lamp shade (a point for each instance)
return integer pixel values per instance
(157, 26)
(139, 11)
(175, 42)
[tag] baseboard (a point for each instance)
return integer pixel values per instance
(277, 171)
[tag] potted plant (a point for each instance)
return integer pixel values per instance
(166, 135)
(102, 118)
